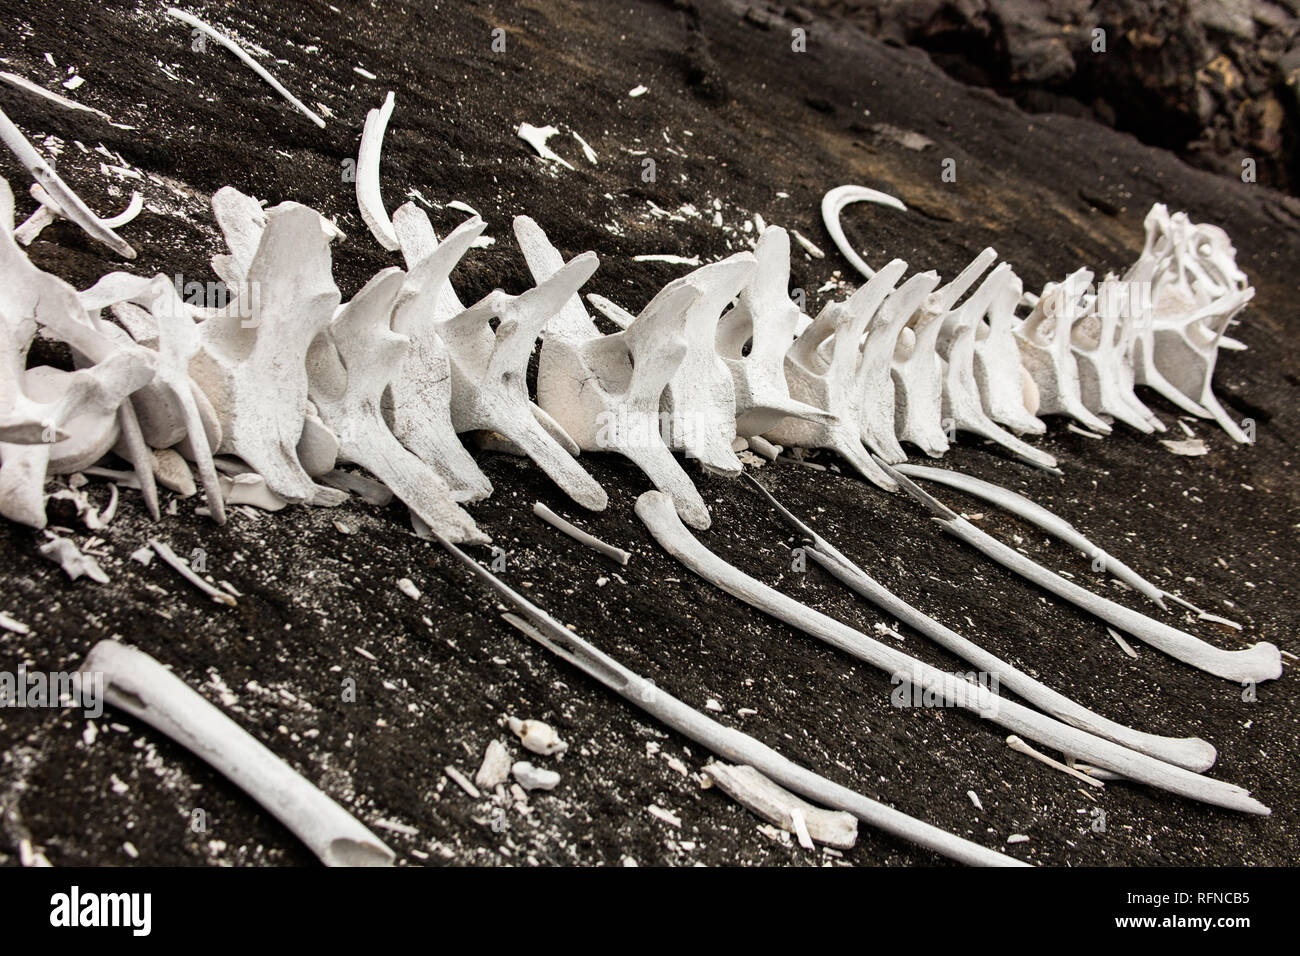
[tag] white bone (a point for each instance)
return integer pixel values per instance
(963, 404)
(1259, 662)
(764, 318)
(49, 210)
(253, 369)
(1036, 514)
(605, 391)
(495, 769)
(350, 367)
(537, 736)
(1102, 343)
(577, 534)
(775, 804)
(661, 520)
(999, 373)
(65, 553)
(536, 137)
(1018, 745)
(874, 379)
(1189, 752)
(830, 383)
(917, 370)
(67, 201)
(27, 85)
(248, 61)
(370, 199)
(700, 400)
(1045, 349)
(137, 684)
(534, 778)
(833, 204)
(489, 381)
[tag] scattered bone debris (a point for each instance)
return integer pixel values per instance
(534, 778)
(495, 769)
(537, 736)
(778, 806)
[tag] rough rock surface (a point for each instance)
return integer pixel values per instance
(1217, 81)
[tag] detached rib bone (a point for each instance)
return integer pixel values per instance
(1258, 662)
(1189, 752)
(136, 683)
(662, 522)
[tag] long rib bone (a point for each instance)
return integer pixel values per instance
(833, 204)
(68, 202)
(370, 199)
(721, 740)
(657, 514)
(1256, 663)
(138, 684)
(1037, 515)
(1191, 753)
(348, 369)
(247, 60)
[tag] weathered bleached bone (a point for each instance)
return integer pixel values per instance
(139, 685)
(605, 391)
(536, 137)
(182, 567)
(173, 395)
(495, 769)
(68, 202)
(874, 379)
(1045, 349)
(534, 778)
(577, 534)
(830, 383)
(349, 369)
(776, 805)
(720, 740)
(247, 60)
(489, 376)
(700, 400)
(1256, 663)
(661, 520)
(76, 563)
(370, 198)
(418, 401)
(1019, 746)
(917, 370)
(833, 204)
(537, 736)
(1190, 753)
(764, 318)
(963, 403)
(22, 83)
(49, 210)
(253, 369)
(999, 374)
(1037, 515)
(1102, 344)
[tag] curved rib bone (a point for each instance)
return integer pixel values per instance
(833, 204)
(1259, 662)
(49, 210)
(247, 60)
(1191, 753)
(721, 740)
(370, 199)
(136, 683)
(1037, 515)
(655, 511)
